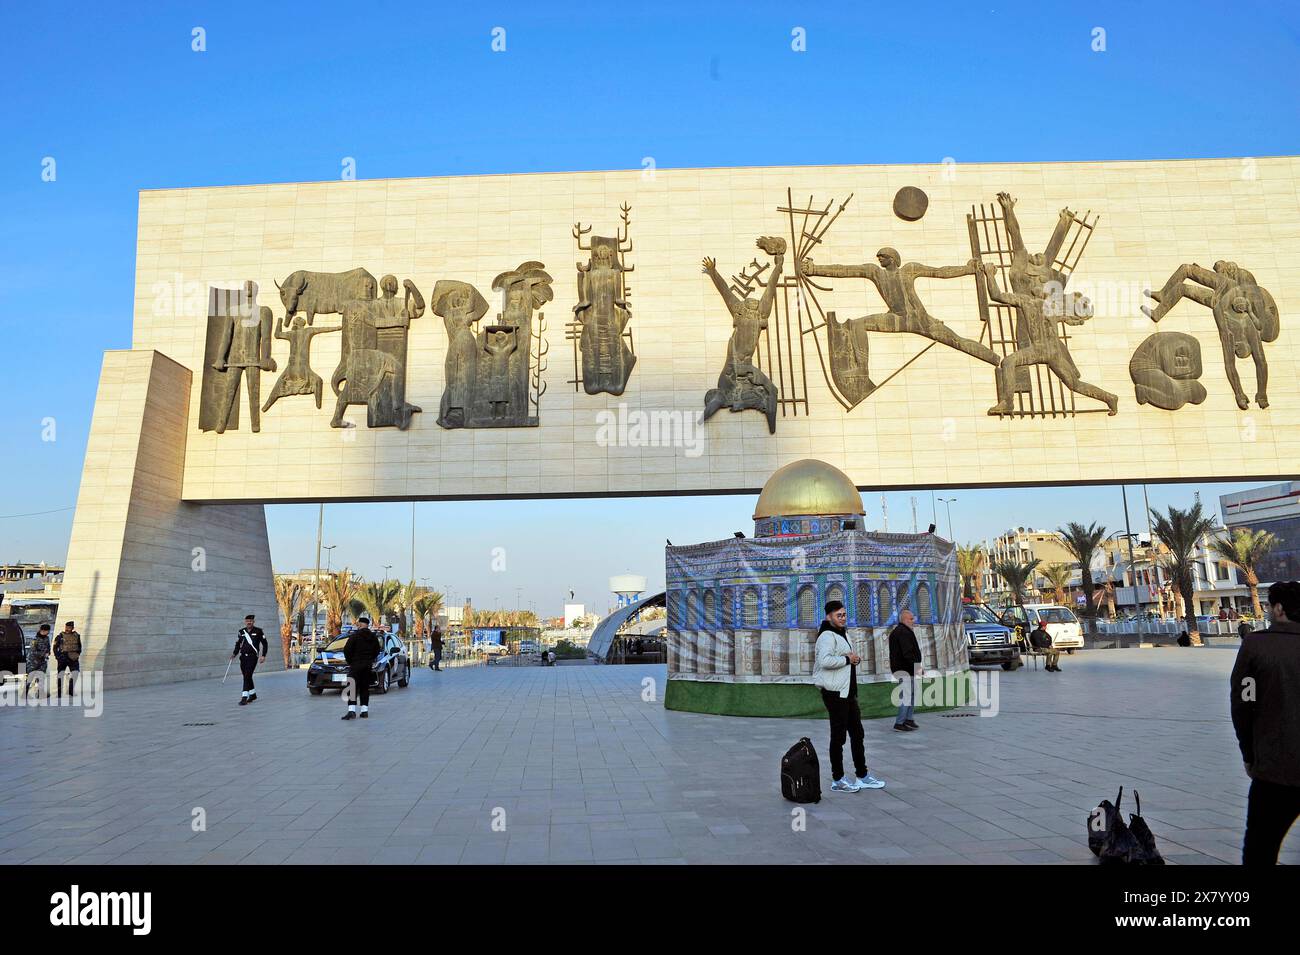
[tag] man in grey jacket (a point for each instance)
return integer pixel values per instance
(836, 675)
(1266, 715)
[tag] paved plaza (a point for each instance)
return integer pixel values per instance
(577, 767)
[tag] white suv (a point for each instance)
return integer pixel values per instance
(1060, 623)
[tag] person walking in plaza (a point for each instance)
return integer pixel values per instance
(904, 658)
(1244, 628)
(67, 654)
(361, 651)
(1040, 639)
(435, 644)
(38, 660)
(836, 675)
(1265, 705)
(250, 647)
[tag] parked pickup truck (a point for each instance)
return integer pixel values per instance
(989, 641)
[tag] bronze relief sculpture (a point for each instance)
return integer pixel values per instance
(317, 293)
(600, 326)
(1027, 318)
(372, 362)
(238, 345)
(742, 384)
(1244, 313)
(493, 377)
(1165, 369)
(297, 377)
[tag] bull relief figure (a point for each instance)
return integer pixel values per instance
(372, 364)
(741, 384)
(603, 313)
(1244, 313)
(242, 348)
(324, 293)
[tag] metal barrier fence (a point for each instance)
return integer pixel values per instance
(1212, 626)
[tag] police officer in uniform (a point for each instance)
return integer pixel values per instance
(250, 647)
(361, 651)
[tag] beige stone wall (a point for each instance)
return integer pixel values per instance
(149, 606)
(928, 426)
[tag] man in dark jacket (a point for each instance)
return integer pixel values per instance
(1266, 715)
(1244, 628)
(361, 651)
(435, 644)
(904, 658)
(250, 647)
(1041, 640)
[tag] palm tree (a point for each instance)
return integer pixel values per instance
(1181, 532)
(291, 597)
(1058, 575)
(379, 600)
(970, 566)
(1244, 549)
(337, 591)
(426, 606)
(1082, 543)
(1017, 574)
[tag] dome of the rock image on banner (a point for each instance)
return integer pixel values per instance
(743, 612)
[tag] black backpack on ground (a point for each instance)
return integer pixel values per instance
(1115, 843)
(801, 777)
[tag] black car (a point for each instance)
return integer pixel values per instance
(13, 649)
(330, 671)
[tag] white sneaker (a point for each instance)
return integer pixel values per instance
(845, 785)
(870, 782)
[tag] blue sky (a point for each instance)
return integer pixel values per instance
(117, 97)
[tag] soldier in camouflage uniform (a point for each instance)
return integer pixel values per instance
(38, 658)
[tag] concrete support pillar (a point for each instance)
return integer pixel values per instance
(158, 587)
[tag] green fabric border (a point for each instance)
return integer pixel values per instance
(785, 700)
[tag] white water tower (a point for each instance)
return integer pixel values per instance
(627, 588)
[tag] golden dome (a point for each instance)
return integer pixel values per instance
(808, 487)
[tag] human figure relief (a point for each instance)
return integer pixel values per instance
(741, 384)
(461, 306)
(896, 284)
(372, 365)
(1038, 344)
(245, 349)
(1244, 313)
(297, 377)
(603, 313)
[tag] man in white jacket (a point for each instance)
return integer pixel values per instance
(836, 675)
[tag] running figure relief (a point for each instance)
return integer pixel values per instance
(1244, 313)
(742, 384)
(896, 283)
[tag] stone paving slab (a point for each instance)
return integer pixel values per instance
(569, 765)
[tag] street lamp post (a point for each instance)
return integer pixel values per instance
(947, 503)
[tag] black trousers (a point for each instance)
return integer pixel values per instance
(846, 720)
(246, 666)
(72, 666)
(1271, 808)
(361, 679)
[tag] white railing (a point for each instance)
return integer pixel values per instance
(1212, 626)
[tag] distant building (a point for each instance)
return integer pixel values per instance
(1276, 509)
(573, 612)
(1022, 544)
